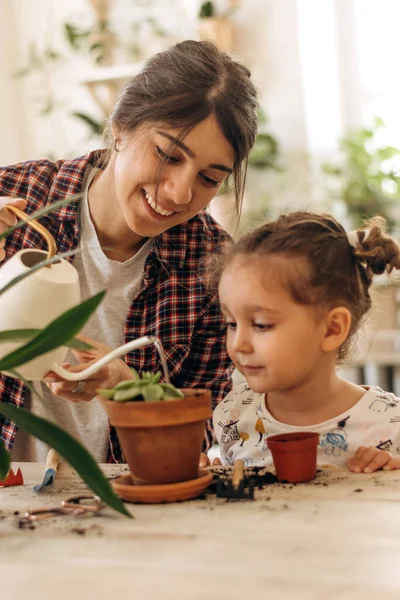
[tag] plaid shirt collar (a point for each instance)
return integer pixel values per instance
(169, 247)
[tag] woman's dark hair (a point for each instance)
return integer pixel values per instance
(184, 85)
(335, 274)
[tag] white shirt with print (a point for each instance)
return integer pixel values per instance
(243, 423)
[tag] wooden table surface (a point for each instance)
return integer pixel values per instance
(337, 537)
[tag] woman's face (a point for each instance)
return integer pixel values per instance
(191, 174)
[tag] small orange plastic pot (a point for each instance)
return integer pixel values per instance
(294, 455)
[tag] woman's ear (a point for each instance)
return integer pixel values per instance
(116, 135)
(338, 323)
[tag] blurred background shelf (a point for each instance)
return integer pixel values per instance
(105, 83)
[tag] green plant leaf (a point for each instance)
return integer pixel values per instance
(18, 335)
(75, 36)
(123, 385)
(172, 390)
(207, 10)
(70, 449)
(152, 393)
(156, 378)
(54, 335)
(23, 335)
(135, 374)
(96, 126)
(144, 388)
(78, 344)
(5, 461)
(41, 213)
(128, 394)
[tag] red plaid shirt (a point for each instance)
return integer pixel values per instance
(172, 303)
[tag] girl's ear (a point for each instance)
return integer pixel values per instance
(338, 323)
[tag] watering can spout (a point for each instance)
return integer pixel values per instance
(117, 353)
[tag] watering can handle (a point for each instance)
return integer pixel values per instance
(121, 351)
(51, 244)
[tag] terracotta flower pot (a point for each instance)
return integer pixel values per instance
(162, 441)
(295, 455)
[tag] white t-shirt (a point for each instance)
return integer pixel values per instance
(243, 423)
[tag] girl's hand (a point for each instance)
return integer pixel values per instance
(368, 460)
(8, 219)
(205, 461)
(106, 377)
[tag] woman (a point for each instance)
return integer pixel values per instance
(179, 129)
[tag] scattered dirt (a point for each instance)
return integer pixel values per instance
(261, 477)
(25, 524)
(91, 529)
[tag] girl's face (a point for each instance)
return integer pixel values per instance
(190, 177)
(273, 341)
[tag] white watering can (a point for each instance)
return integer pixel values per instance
(38, 299)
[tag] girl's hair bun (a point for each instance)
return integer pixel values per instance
(375, 249)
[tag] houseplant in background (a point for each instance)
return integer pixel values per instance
(87, 43)
(265, 152)
(166, 425)
(367, 179)
(35, 343)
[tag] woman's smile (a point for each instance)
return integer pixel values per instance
(154, 209)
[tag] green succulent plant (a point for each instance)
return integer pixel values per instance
(142, 388)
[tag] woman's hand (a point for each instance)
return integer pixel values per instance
(368, 460)
(106, 377)
(8, 219)
(205, 461)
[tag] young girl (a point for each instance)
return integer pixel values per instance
(179, 129)
(293, 293)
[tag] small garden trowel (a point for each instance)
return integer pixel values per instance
(52, 462)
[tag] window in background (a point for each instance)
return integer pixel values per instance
(378, 49)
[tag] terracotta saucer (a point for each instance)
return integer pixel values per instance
(167, 492)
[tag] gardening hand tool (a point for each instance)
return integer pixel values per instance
(52, 462)
(75, 506)
(12, 479)
(35, 301)
(235, 489)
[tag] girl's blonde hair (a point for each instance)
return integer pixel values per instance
(335, 273)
